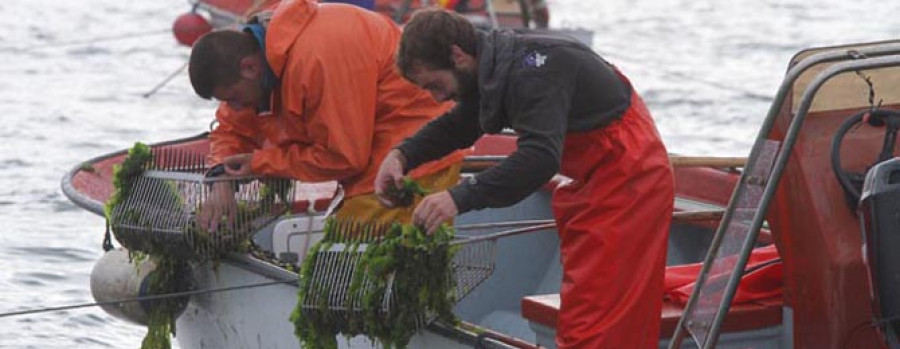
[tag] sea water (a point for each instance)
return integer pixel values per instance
(74, 75)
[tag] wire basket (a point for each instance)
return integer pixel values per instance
(335, 267)
(159, 213)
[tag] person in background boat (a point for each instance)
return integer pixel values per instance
(575, 114)
(311, 93)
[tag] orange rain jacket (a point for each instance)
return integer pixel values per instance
(340, 107)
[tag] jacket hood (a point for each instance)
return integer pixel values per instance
(289, 20)
(495, 50)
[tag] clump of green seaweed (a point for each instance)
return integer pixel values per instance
(125, 174)
(416, 265)
(405, 194)
(167, 277)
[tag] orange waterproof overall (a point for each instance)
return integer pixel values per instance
(613, 223)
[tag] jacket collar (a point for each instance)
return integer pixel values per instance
(269, 79)
(288, 21)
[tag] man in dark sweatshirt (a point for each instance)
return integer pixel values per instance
(575, 114)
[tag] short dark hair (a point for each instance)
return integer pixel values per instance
(428, 37)
(216, 59)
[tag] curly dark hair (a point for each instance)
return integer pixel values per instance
(428, 37)
(216, 59)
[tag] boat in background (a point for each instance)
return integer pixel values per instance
(206, 15)
(497, 13)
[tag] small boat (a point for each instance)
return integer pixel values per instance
(506, 309)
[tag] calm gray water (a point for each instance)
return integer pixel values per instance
(72, 76)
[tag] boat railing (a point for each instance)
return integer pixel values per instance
(740, 225)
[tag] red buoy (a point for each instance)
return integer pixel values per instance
(189, 27)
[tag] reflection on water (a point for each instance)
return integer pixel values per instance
(74, 73)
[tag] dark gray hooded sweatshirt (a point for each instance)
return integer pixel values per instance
(542, 86)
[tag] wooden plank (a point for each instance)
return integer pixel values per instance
(707, 161)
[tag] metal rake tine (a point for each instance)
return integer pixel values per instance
(379, 232)
(187, 161)
(154, 155)
(354, 226)
(164, 159)
(197, 164)
(183, 160)
(194, 165)
(172, 160)
(359, 230)
(336, 229)
(165, 156)
(158, 155)
(340, 233)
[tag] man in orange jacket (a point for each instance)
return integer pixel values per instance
(312, 94)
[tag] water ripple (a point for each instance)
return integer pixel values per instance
(55, 253)
(93, 342)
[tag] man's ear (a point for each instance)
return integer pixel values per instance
(461, 59)
(250, 67)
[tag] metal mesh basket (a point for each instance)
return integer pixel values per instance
(334, 269)
(159, 213)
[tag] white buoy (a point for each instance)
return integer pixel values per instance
(116, 277)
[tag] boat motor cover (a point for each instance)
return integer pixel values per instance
(879, 212)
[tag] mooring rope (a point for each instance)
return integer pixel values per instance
(144, 298)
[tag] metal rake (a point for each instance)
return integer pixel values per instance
(159, 214)
(335, 265)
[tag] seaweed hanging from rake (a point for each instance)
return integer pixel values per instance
(414, 266)
(154, 215)
(166, 277)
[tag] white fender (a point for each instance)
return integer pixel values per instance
(116, 277)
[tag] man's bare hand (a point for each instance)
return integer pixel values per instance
(219, 205)
(434, 210)
(390, 175)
